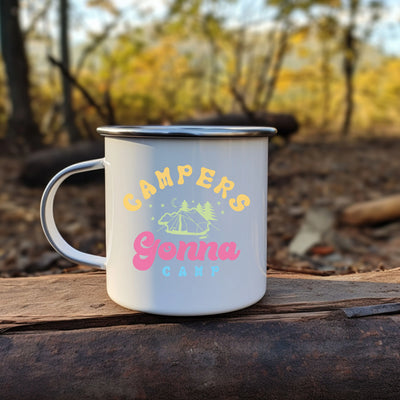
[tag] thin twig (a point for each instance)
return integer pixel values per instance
(84, 92)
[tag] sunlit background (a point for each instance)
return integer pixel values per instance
(333, 64)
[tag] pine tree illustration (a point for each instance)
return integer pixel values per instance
(184, 206)
(200, 209)
(208, 212)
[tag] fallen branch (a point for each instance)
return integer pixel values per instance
(372, 212)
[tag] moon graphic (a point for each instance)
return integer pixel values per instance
(173, 203)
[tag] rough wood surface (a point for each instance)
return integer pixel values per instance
(77, 297)
(63, 338)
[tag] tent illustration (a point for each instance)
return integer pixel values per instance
(189, 221)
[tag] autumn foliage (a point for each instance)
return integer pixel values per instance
(195, 60)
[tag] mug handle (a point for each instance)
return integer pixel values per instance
(47, 215)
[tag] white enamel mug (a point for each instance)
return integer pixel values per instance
(186, 217)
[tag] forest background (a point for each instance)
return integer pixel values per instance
(70, 66)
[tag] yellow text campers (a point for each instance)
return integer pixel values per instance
(205, 179)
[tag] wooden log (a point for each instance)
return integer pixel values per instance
(286, 124)
(320, 358)
(63, 338)
(41, 166)
(372, 212)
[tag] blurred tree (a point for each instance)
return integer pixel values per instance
(152, 78)
(68, 109)
(244, 59)
(350, 56)
(21, 126)
(351, 46)
(105, 111)
(378, 95)
(76, 122)
(326, 28)
(37, 14)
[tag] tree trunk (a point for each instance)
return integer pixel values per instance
(349, 65)
(275, 68)
(348, 70)
(325, 85)
(21, 126)
(69, 114)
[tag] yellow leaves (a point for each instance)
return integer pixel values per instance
(286, 78)
(152, 84)
(299, 40)
(331, 3)
(303, 52)
(393, 67)
(106, 5)
(299, 36)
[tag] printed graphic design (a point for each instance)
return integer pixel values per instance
(195, 221)
(191, 256)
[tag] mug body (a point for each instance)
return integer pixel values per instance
(186, 222)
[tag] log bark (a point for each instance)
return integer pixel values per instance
(372, 212)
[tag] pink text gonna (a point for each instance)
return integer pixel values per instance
(147, 248)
